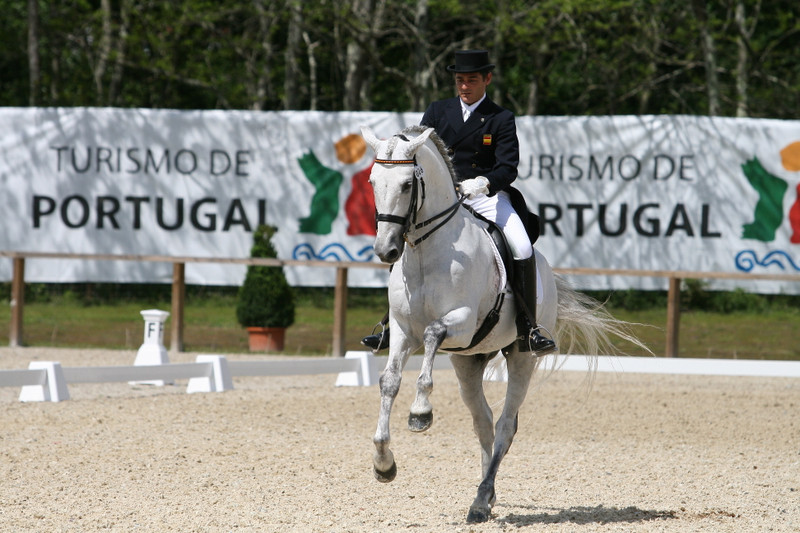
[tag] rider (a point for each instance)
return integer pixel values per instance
(482, 137)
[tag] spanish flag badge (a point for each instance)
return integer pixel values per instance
(487, 139)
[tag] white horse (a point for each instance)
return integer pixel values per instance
(442, 287)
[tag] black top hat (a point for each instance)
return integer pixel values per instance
(471, 61)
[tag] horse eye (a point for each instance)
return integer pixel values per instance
(406, 186)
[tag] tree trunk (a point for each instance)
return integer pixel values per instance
(532, 102)
(291, 85)
(119, 60)
(742, 60)
(312, 73)
(709, 56)
(34, 71)
(353, 78)
(422, 67)
(104, 52)
(261, 90)
(498, 47)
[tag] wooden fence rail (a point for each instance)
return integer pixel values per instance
(17, 303)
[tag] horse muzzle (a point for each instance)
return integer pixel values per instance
(389, 246)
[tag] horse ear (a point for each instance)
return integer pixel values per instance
(420, 139)
(370, 137)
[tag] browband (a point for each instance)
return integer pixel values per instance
(396, 161)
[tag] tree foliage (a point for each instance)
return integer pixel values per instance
(554, 57)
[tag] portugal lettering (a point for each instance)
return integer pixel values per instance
(134, 212)
(647, 220)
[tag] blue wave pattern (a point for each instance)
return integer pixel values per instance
(333, 252)
(747, 260)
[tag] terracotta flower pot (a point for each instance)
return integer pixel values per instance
(266, 339)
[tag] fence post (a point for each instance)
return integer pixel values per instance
(17, 302)
(178, 301)
(339, 313)
(673, 316)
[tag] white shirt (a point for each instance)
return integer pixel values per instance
(466, 110)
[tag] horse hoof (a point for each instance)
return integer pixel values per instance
(388, 475)
(421, 422)
(478, 515)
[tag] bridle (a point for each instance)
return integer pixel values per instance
(409, 222)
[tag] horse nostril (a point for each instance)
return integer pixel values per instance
(391, 256)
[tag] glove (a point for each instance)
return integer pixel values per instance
(475, 187)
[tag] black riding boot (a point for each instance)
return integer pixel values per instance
(378, 341)
(530, 339)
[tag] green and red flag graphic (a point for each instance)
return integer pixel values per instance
(768, 215)
(360, 204)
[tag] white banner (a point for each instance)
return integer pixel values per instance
(648, 193)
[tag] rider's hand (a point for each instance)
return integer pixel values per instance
(475, 187)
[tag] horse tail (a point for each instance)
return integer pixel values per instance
(584, 325)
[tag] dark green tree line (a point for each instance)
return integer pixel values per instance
(554, 57)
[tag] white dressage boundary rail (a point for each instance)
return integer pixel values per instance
(48, 380)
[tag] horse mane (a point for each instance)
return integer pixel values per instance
(414, 131)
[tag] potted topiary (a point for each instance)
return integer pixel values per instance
(265, 304)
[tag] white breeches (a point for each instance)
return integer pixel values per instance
(498, 209)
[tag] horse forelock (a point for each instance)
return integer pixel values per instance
(441, 147)
(391, 144)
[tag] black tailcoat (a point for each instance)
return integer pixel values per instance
(485, 145)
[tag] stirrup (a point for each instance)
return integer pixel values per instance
(537, 343)
(377, 341)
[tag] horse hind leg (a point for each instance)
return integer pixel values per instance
(520, 369)
(421, 416)
(469, 370)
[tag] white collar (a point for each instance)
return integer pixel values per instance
(471, 107)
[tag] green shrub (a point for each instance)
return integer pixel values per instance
(738, 300)
(265, 299)
(694, 295)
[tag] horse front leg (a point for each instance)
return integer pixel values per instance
(384, 466)
(421, 416)
(520, 369)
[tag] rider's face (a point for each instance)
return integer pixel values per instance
(471, 86)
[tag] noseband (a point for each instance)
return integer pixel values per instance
(411, 216)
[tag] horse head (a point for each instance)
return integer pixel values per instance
(397, 189)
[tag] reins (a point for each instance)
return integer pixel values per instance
(409, 222)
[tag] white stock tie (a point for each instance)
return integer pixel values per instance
(466, 113)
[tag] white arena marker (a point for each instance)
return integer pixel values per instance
(152, 351)
(367, 374)
(219, 380)
(54, 388)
